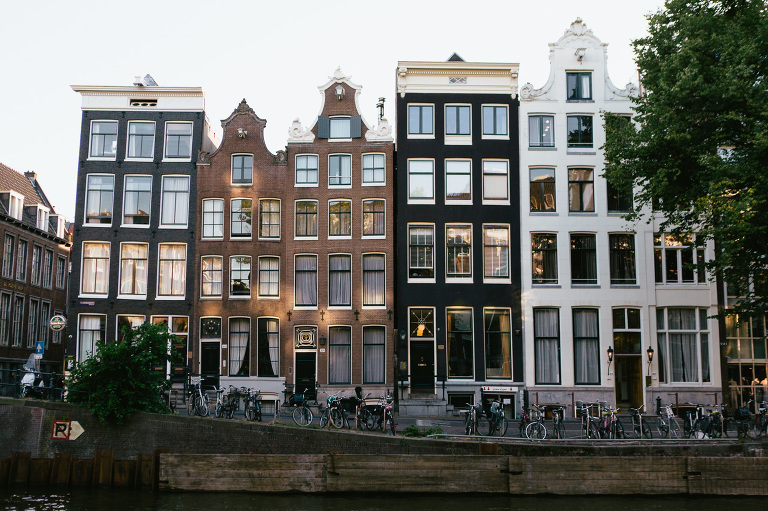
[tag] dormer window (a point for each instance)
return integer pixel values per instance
(42, 217)
(16, 205)
(579, 86)
(339, 128)
(61, 226)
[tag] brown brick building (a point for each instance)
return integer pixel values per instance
(295, 252)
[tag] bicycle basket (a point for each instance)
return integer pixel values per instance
(742, 413)
(297, 399)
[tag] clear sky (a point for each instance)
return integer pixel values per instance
(273, 54)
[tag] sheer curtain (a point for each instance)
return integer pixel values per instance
(175, 200)
(339, 353)
(340, 280)
(373, 354)
(546, 332)
(586, 346)
(239, 330)
(173, 275)
(306, 280)
(373, 279)
(683, 349)
(91, 331)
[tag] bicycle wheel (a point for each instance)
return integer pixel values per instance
(372, 421)
(753, 429)
(593, 432)
(468, 425)
(337, 419)
(389, 424)
(617, 428)
(484, 426)
(674, 429)
(503, 426)
(218, 412)
(536, 431)
(366, 418)
(662, 428)
(302, 416)
(647, 433)
(325, 418)
(559, 430)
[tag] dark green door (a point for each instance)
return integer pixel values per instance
(423, 367)
(209, 363)
(305, 373)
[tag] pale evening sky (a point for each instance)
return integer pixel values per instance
(273, 54)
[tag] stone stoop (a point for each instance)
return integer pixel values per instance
(428, 405)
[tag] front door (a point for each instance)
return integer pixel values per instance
(629, 381)
(423, 367)
(305, 374)
(210, 363)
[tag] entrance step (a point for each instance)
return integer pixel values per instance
(429, 406)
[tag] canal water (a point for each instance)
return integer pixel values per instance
(122, 500)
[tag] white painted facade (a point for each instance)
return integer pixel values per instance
(630, 379)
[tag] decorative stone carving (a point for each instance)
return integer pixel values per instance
(298, 133)
(204, 157)
(243, 108)
(528, 93)
(381, 133)
(281, 158)
(631, 90)
(578, 29)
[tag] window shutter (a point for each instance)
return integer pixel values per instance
(355, 126)
(323, 126)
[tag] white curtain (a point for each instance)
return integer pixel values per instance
(683, 349)
(306, 280)
(373, 354)
(175, 200)
(340, 280)
(212, 276)
(95, 267)
(133, 270)
(586, 346)
(91, 331)
(173, 274)
(546, 334)
(373, 279)
(239, 334)
(339, 355)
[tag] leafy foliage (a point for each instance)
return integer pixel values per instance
(700, 149)
(415, 431)
(126, 376)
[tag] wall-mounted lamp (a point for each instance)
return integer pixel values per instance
(380, 106)
(357, 313)
(322, 340)
(580, 54)
(339, 92)
(322, 315)
(649, 351)
(289, 315)
(610, 359)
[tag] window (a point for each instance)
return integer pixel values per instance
(422, 323)
(306, 281)
(544, 258)
(339, 281)
(339, 355)
(457, 119)
(136, 204)
(37, 261)
(269, 277)
(421, 120)
(306, 219)
(213, 218)
(268, 331)
(127, 322)
(242, 169)
(495, 180)
(339, 170)
(459, 338)
(586, 347)
(99, 198)
(178, 326)
(620, 200)
(212, 276)
(495, 120)
(16, 209)
(622, 248)
(746, 356)
(373, 218)
(340, 127)
(546, 346)
(175, 201)
(210, 328)
(269, 219)
(103, 139)
(458, 180)
(306, 169)
(45, 319)
(42, 218)
(239, 344)
(541, 131)
(172, 271)
(578, 85)
(498, 344)
(421, 180)
(141, 139)
(374, 338)
(583, 259)
(178, 140)
(543, 190)
(458, 251)
(340, 218)
(18, 321)
(495, 252)
(91, 330)
(33, 322)
(581, 190)
(579, 131)
(241, 218)
(5, 319)
(133, 269)
(374, 280)
(683, 338)
(421, 245)
(373, 169)
(240, 276)
(95, 277)
(21, 260)
(677, 260)
(9, 251)
(61, 272)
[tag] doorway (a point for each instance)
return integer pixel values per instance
(629, 381)
(210, 362)
(306, 374)
(423, 367)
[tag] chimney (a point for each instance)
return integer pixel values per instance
(31, 175)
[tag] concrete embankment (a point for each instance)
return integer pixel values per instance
(178, 453)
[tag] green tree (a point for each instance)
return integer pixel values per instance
(699, 149)
(125, 376)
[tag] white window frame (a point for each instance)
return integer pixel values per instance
(87, 193)
(494, 136)
(471, 310)
(457, 139)
(426, 280)
(128, 296)
(540, 145)
(308, 184)
(128, 141)
(163, 202)
(230, 281)
(446, 163)
(498, 280)
(421, 200)
(202, 280)
(362, 282)
(462, 278)
(149, 212)
(430, 135)
(16, 205)
(258, 278)
(344, 156)
(317, 282)
(500, 201)
(165, 142)
(363, 235)
(348, 257)
(296, 236)
(106, 274)
(700, 314)
(202, 218)
(232, 235)
(232, 170)
(348, 118)
(279, 219)
(90, 140)
(103, 330)
(383, 181)
(183, 295)
(340, 236)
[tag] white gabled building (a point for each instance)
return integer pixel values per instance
(595, 284)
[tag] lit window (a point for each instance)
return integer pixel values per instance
(133, 269)
(172, 270)
(99, 199)
(541, 132)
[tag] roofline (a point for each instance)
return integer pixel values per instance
(457, 65)
(116, 89)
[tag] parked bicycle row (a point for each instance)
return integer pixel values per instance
(367, 414)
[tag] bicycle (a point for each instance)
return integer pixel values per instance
(558, 422)
(497, 420)
(251, 405)
(302, 415)
(589, 423)
(537, 430)
(475, 422)
(198, 400)
(667, 425)
(525, 419)
(331, 413)
(640, 426)
(362, 413)
(381, 415)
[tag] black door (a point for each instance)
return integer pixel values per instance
(423, 367)
(209, 363)
(305, 374)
